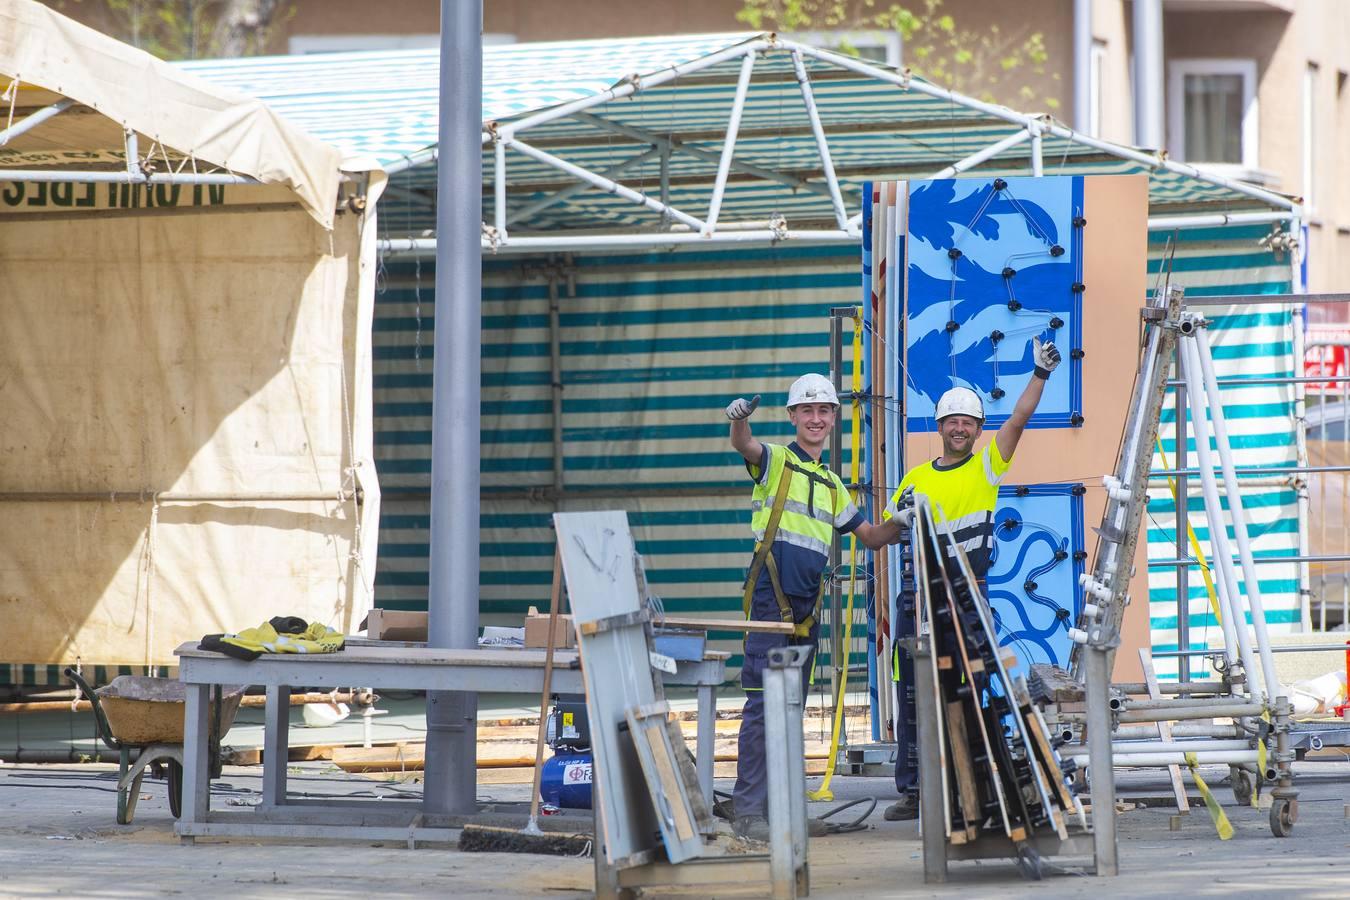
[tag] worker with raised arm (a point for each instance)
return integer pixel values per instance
(962, 489)
(797, 505)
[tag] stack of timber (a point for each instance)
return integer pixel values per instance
(1001, 772)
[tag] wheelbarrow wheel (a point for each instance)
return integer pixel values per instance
(175, 788)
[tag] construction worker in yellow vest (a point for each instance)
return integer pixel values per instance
(798, 503)
(962, 487)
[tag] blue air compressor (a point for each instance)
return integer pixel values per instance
(567, 775)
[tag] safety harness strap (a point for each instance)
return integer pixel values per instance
(764, 554)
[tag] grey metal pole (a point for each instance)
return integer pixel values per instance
(1148, 74)
(1082, 65)
(838, 651)
(932, 829)
(1183, 505)
(452, 596)
(1097, 678)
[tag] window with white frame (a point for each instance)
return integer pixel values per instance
(1096, 86)
(1212, 111)
(876, 46)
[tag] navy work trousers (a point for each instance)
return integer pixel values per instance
(752, 786)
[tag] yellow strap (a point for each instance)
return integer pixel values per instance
(824, 792)
(764, 550)
(1260, 762)
(1216, 813)
(1183, 515)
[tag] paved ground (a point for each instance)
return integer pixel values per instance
(57, 838)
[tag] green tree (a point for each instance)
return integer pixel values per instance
(195, 29)
(974, 61)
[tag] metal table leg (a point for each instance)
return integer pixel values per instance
(707, 733)
(931, 827)
(196, 760)
(276, 744)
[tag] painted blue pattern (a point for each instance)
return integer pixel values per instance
(1025, 229)
(1033, 585)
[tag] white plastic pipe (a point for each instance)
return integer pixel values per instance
(980, 156)
(1202, 757)
(1234, 627)
(822, 145)
(605, 184)
(1201, 744)
(1230, 482)
(729, 142)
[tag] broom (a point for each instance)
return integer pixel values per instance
(531, 838)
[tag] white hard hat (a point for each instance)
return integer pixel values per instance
(959, 401)
(812, 388)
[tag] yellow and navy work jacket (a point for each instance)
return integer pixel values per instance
(963, 495)
(801, 546)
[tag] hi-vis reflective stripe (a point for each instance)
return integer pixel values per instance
(989, 469)
(975, 519)
(801, 509)
(804, 541)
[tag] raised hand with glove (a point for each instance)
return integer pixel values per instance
(741, 408)
(1045, 356)
(901, 508)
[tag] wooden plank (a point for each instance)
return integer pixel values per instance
(708, 624)
(966, 786)
(1164, 729)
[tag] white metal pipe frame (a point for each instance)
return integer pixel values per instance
(710, 229)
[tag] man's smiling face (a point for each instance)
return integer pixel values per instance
(813, 422)
(959, 434)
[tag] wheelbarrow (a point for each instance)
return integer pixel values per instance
(135, 712)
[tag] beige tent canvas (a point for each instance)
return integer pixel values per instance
(184, 361)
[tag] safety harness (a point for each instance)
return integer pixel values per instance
(764, 551)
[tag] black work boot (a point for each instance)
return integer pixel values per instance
(903, 810)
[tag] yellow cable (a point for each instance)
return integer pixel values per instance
(824, 792)
(1216, 813)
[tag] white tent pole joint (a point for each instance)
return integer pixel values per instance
(818, 129)
(729, 145)
(32, 121)
(605, 184)
(980, 156)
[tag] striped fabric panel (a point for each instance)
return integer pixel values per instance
(1251, 341)
(651, 353)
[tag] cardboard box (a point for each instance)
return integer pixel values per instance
(536, 631)
(396, 625)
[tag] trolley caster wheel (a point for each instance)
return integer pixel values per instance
(1283, 815)
(1242, 786)
(1029, 863)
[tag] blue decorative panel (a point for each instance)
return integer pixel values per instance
(992, 263)
(1033, 580)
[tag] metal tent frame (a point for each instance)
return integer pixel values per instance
(669, 223)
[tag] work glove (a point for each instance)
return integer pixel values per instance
(1045, 355)
(901, 507)
(741, 408)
